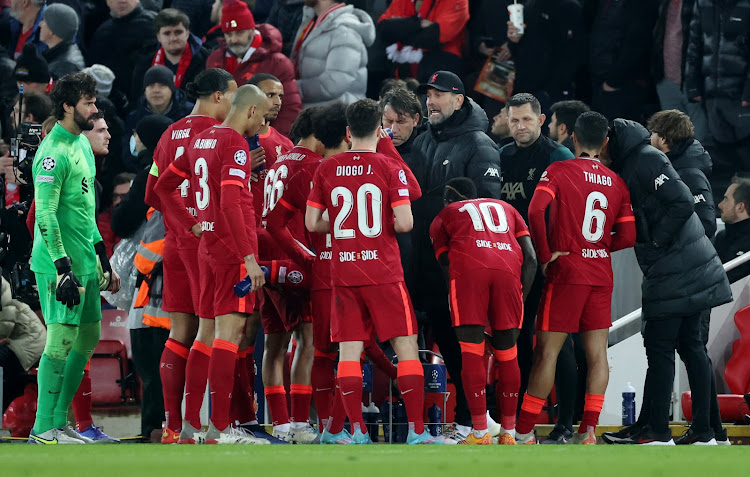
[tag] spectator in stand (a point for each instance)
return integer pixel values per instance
(286, 15)
(671, 39)
(123, 41)
(249, 50)
(130, 211)
(717, 74)
(546, 54)
(159, 97)
(425, 36)
(58, 31)
(734, 240)
(673, 134)
(500, 130)
(330, 53)
(24, 27)
(105, 78)
(32, 71)
(564, 115)
(179, 49)
(36, 108)
(619, 57)
(199, 13)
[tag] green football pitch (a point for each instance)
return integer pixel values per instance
(380, 460)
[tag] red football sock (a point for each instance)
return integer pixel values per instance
(241, 409)
(508, 384)
(474, 378)
(530, 409)
(221, 381)
(411, 386)
(276, 400)
(323, 380)
(196, 377)
(350, 384)
(337, 418)
(82, 402)
(172, 371)
(250, 366)
(592, 407)
(380, 360)
(301, 396)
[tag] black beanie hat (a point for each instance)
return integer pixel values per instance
(150, 129)
(158, 74)
(31, 67)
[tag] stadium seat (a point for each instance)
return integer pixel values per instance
(114, 327)
(732, 407)
(737, 369)
(112, 382)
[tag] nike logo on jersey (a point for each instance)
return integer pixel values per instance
(346, 394)
(406, 391)
(87, 394)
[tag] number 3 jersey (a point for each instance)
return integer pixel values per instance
(587, 203)
(479, 234)
(218, 166)
(360, 189)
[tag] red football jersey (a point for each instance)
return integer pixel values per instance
(275, 144)
(173, 144)
(218, 159)
(360, 189)
(587, 200)
(479, 233)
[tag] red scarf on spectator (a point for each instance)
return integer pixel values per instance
(160, 58)
(231, 62)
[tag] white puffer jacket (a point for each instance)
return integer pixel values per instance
(332, 61)
(25, 330)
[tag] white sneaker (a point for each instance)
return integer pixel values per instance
(230, 435)
(282, 435)
(451, 435)
(304, 435)
(73, 434)
(53, 436)
(493, 427)
(250, 436)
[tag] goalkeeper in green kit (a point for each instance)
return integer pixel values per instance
(68, 257)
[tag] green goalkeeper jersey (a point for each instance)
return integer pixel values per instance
(64, 172)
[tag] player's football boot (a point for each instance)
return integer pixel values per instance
(506, 440)
(524, 439)
(494, 428)
(282, 436)
(260, 432)
(191, 435)
(342, 437)
(230, 435)
(53, 436)
(71, 432)
(451, 435)
(304, 435)
(98, 436)
(168, 436)
(250, 437)
(697, 438)
(559, 435)
(358, 437)
(473, 440)
(584, 438)
(424, 438)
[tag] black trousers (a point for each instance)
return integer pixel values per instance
(570, 382)
(662, 337)
(14, 376)
(525, 343)
(148, 344)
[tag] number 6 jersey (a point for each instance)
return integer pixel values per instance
(360, 189)
(588, 203)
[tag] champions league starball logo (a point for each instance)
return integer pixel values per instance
(295, 276)
(48, 163)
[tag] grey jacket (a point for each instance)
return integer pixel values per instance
(332, 60)
(23, 328)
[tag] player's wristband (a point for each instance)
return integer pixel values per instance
(63, 265)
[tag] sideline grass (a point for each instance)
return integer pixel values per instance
(381, 460)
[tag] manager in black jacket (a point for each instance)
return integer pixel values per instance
(454, 145)
(682, 277)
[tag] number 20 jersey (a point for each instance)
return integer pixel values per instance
(360, 189)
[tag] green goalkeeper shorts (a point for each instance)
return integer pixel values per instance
(88, 311)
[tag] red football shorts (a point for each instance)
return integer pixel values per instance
(320, 302)
(282, 310)
(181, 291)
(568, 308)
(487, 297)
(357, 310)
(217, 289)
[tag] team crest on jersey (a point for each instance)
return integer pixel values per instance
(532, 171)
(295, 276)
(402, 176)
(240, 157)
(48, 163)
(278, 150)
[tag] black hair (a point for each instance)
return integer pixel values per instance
(389, 84)
(171, 17)
(524, 98)
(402, 101)
(208, 82)
(741, 192)
(459, 188)
(330, 125)
(304, 125)
(591, 129)
(363, 117)
(38, 105)
(258, 78)
(70, 89)
(567, 112)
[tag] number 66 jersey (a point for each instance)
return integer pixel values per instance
(590, 216)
